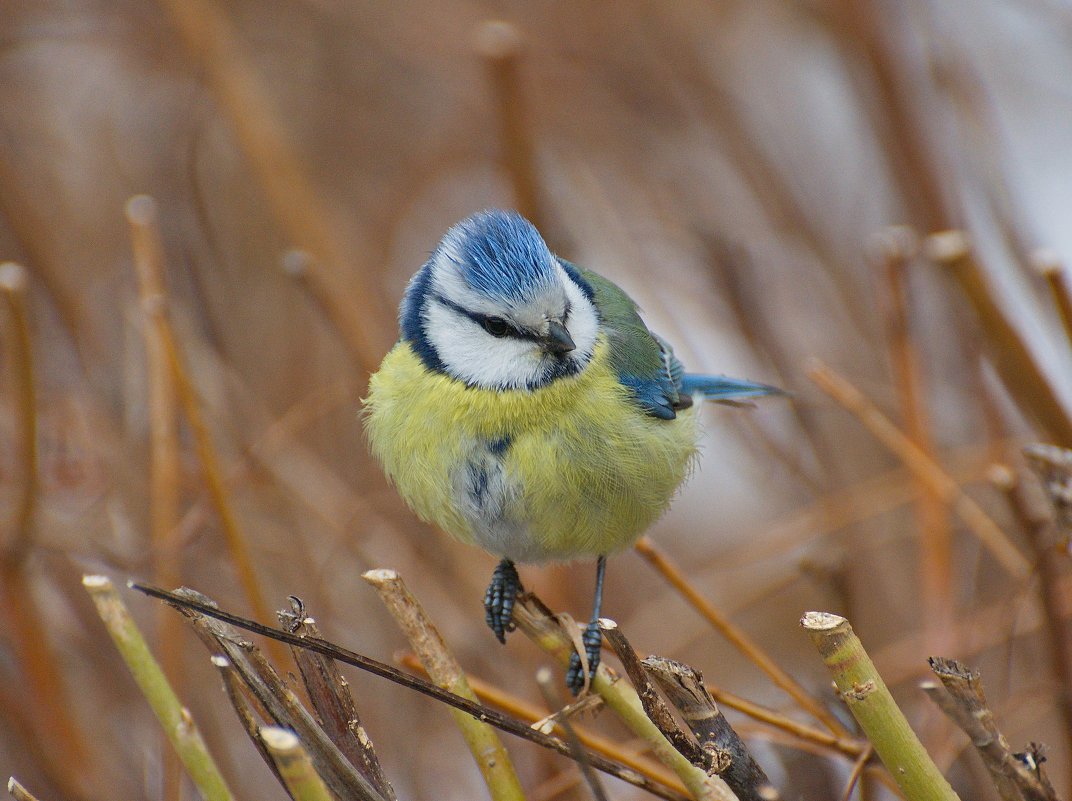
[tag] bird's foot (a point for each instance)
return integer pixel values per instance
(592, 639)
(499, 599)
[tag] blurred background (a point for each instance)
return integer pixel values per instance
(735, 166)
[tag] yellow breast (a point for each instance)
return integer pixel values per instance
(572, 469)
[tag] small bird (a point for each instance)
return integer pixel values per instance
(527, 409)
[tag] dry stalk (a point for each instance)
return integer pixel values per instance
(189, 605)
(723, 750)
(896, 246)
(501, 46)
(149, 260)
(13, 283)
(1049, 266)
(1053, 466)
(1038, 533)
(735, 635)
(18, 792)
(484, 744)
(654, 706)
(965, 703)
(243, 705)
(927, 470)
(1012, 357)
(333, 703)
(165, 481)
(280, 703)
(869, 700)
(39, 664)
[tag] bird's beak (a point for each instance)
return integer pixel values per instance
(558, 339)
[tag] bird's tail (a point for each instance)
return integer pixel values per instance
(722, 389)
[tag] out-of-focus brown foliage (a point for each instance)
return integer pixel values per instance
(732, 165)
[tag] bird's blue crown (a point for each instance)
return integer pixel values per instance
(500, 254)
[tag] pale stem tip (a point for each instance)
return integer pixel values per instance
(1045, 261)
(821, 621)
(295, 262)
(380, 575)
(141, 210)
(946, 247)
(12, 277)
(95, 582)
(279, 739)
(1001, 476)
(607, 624)
(497, 39)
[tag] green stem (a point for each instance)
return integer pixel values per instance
(173, 716)
(869, 700)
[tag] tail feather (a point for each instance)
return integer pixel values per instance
(722, 389)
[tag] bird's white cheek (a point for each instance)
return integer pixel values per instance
(474, 356)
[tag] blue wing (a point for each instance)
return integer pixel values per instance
(717, 388)
(645, 362)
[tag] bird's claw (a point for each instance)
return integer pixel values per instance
(592, 639)
(499, 599)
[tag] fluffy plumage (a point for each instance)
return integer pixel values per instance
(531, 449)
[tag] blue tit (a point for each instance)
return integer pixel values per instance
(527, 409)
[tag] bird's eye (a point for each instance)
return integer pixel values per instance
(496, 326)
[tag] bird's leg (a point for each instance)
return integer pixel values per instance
(592, 637)
(499, 599)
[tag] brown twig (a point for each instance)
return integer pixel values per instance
(735, 635)
(965, 703)
(334, 705)
(1053, 466)
(39, 664)
(1038, 533)
(13, 282)
(237, 694)
(500, 45)
(149, 260)
(654, 705)
(724, 751)
(164, 496)
(1012, 357)
(1049, 266)
(896, 247)
(346, 656)
(922, 466)
(856, 772)
(279, 701)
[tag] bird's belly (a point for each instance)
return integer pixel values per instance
(567, 471)
(488, 497)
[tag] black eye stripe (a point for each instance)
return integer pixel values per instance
(483, 320)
